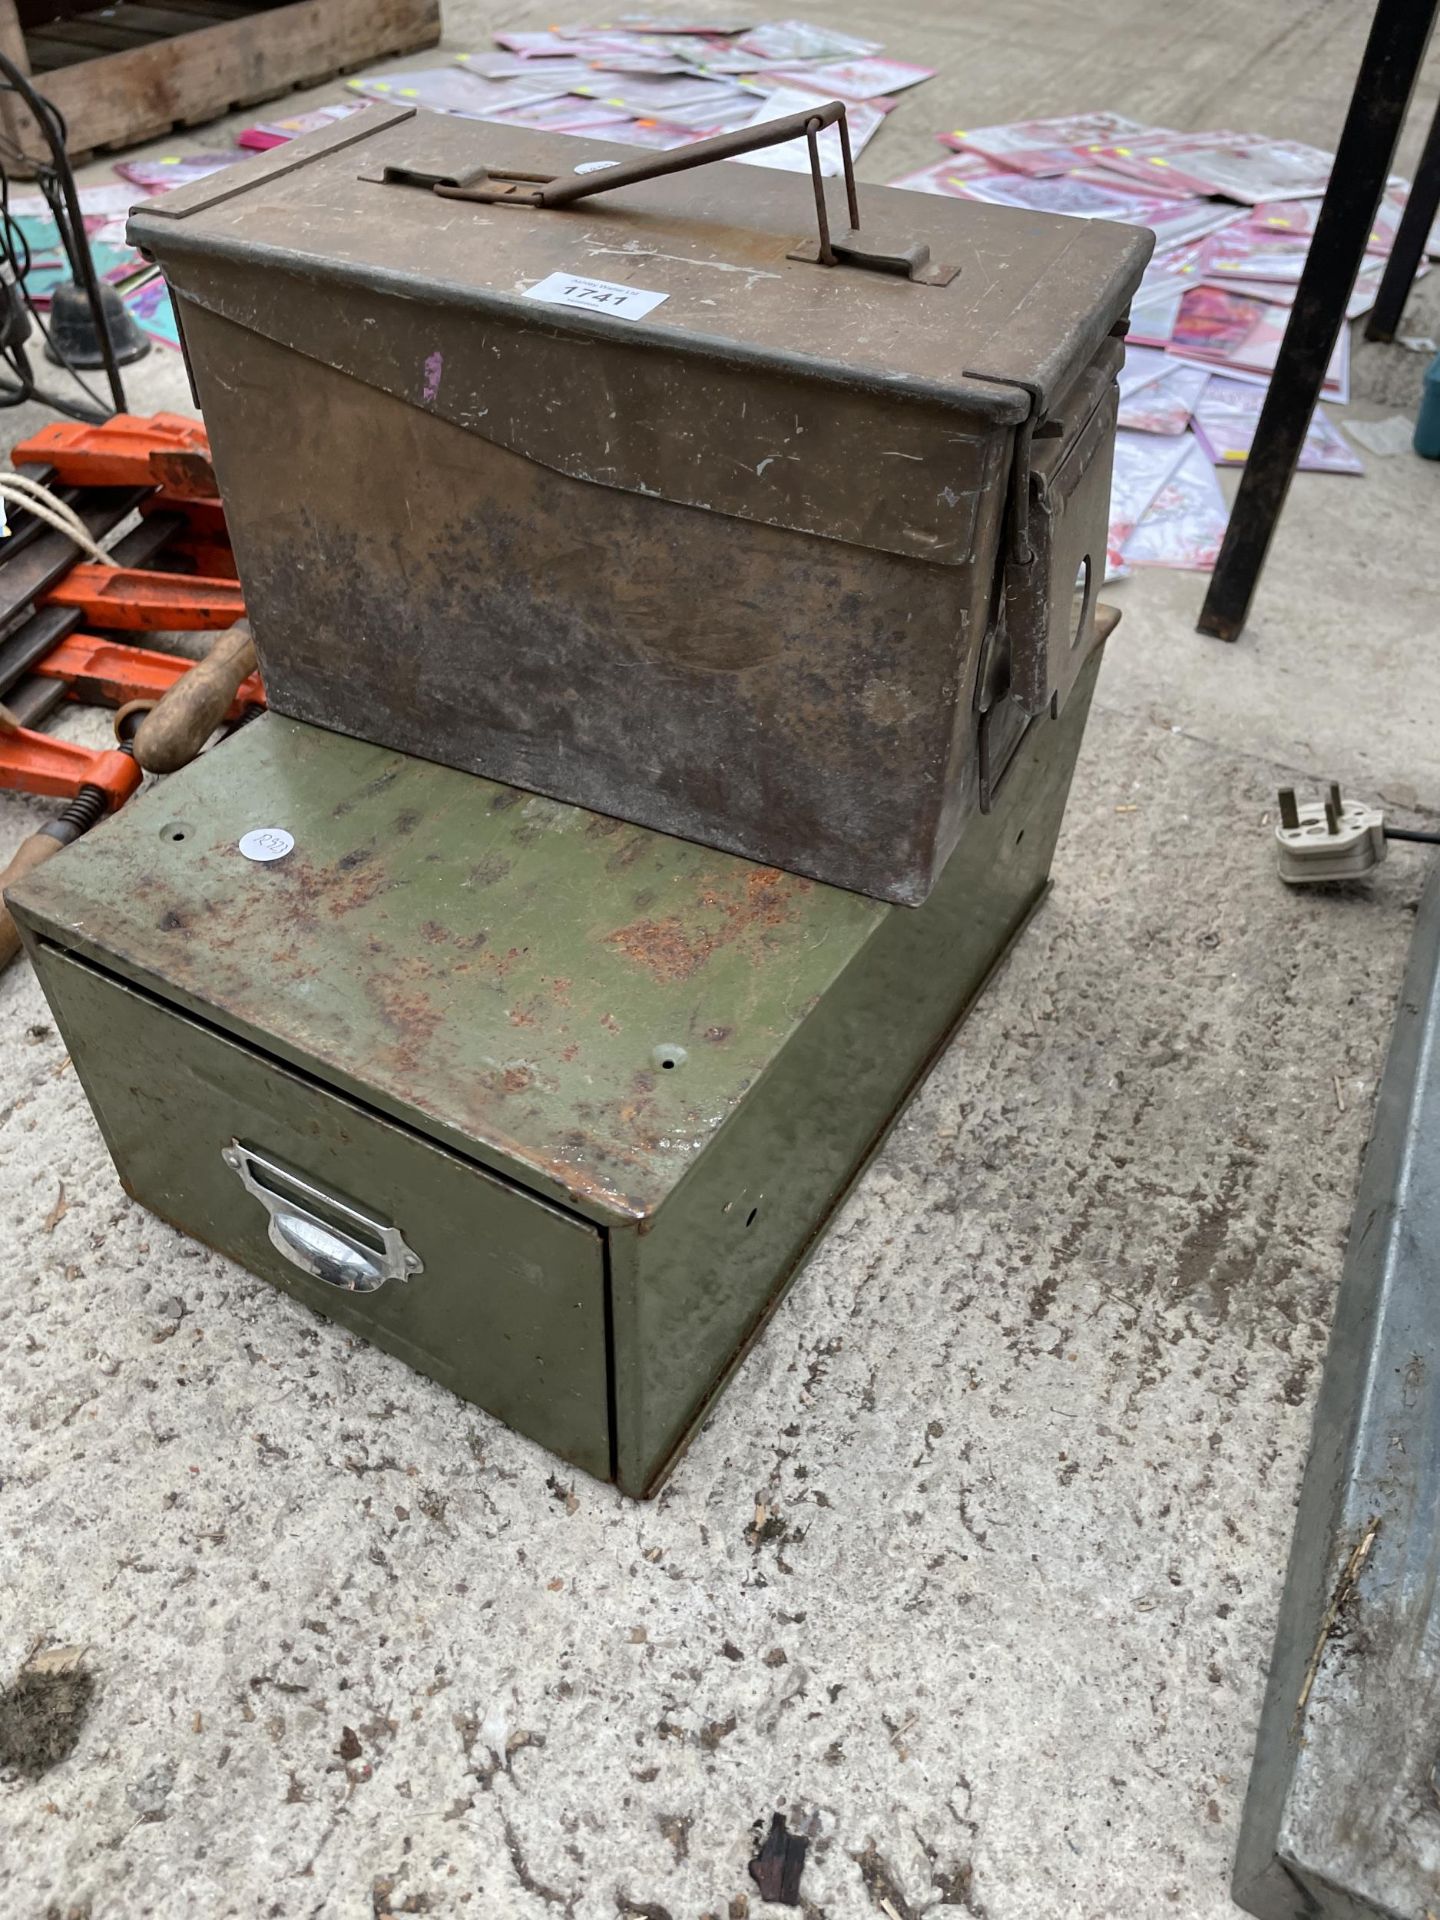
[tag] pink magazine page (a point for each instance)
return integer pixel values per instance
(1242, 166)
(1185, 523)
(1296, 217)
(1060, 194)
(706, 51)
(1156, 189)
(1299, 217)
(1214, 321)
(1044, 147)
(1280, 293)
(623, 50)
(1153, 317)
(802, 40)
(794, 155)
(1225, 422)
(495, 65)
(1195, 162)
(174, 170)
(724, 115)
(1256, 359)
(1256, 170)
(455, 90)
(538, 46)
(274, 133)
(852, 79)
(1143, 463)
(654, 94)
(1253, 253)
(1155, 307)
(660, 134)
(1164, 405)
(948, 176)
(1176, 222)
(677, 23)
(1140, 367)
(567, 114)
(1145, 156)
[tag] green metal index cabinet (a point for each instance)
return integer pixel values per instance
(550, 1106)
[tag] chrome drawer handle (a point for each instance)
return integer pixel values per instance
(313, 1245)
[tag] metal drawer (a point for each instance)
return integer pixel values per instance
(507, 1307)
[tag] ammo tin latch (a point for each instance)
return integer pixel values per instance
(1042, 623)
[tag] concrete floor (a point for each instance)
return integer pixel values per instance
(1026, 1434)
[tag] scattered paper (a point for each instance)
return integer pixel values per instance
(852, 79)
(1044, 146)
(785, 40)
(1384, 437)
(1078, 198)
(1185, 523)
(173, 170)
(948, 176)
(1242, 166)
(457, 90)
(567, 114)
(793, 156)
(1164, 405)
(648, 95)
(1228, 413)
(1143, 463)
(274, 133)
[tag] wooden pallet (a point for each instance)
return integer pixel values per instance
(132, 71)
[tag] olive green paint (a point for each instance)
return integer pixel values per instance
(452, 1004)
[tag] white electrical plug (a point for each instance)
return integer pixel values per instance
(1329, 839)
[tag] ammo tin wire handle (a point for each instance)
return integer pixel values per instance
(500, 186)
(727, 146)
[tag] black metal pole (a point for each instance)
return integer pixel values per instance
(1405, 255)
(1398, 37)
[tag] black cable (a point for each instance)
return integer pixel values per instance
(1413, 833)
(15, 249)
(57, 183)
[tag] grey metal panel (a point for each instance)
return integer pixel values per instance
(1342, 1818)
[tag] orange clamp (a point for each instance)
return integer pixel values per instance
(131, 450)
(32, 762)
(132, 600)
(108, 673)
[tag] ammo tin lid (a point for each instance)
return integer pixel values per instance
(1034, 297)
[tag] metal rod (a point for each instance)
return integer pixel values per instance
(822, 216)
(1414, 231)
(654, 166)
(1398, 37)
(852, 198)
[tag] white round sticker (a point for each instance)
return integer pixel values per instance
(267, 843)
(595, 166)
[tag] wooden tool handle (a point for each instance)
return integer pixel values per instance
(182, 720)
(31, 853)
